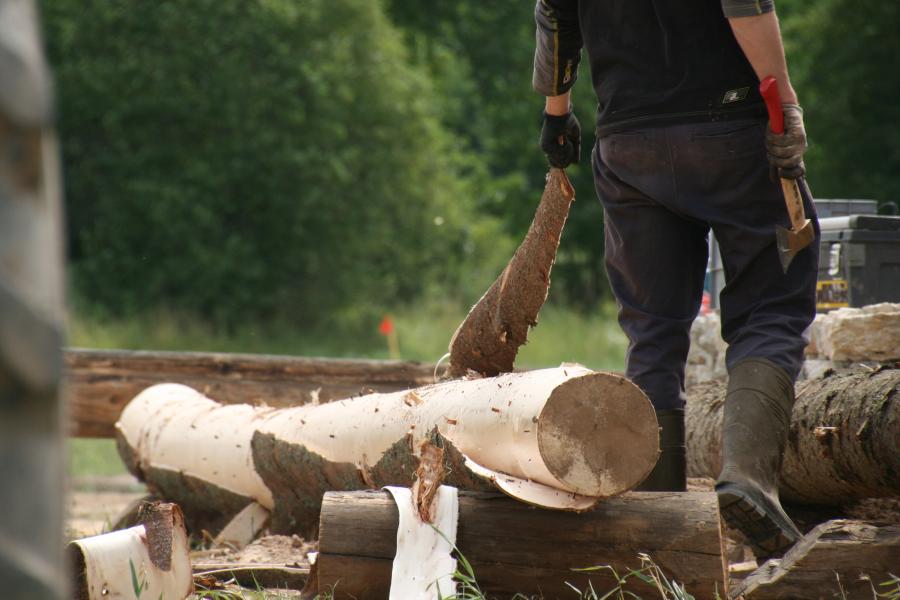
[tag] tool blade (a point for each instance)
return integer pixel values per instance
(791, 242)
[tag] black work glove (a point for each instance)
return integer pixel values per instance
(561, 139)
(786, 151)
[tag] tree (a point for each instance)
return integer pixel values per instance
(239, 160)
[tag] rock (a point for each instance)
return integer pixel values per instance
(870, 333)
(706, 359)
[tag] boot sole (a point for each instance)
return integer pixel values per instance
(766, 537)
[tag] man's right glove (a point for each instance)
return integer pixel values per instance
(786, 151)
(561, 139)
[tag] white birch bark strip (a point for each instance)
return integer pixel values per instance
(423, 567)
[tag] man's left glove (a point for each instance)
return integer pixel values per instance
(561, 139)
(786, 151)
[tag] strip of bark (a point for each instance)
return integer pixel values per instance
(489, 338)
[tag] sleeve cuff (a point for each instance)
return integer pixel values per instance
(747, 8)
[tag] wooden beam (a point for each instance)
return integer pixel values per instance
(515, 548)
(837, 559)
(101, 382)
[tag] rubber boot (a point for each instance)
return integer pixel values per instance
(669, 473)
(757, 418)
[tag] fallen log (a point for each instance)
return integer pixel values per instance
(152, 558)
(837, 559)
(489, 338)
(513, 548)
(844, 441)
(101, 382)
(559, 438)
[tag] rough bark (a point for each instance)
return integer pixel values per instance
(101, 382)
(489, 338)
(844, 441)
(838, 559)
(552, 437)
(513, 548)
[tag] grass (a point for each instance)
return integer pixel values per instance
(424, 332)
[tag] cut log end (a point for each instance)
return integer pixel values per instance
(622, 436)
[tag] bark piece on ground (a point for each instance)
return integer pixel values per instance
(151, 558)
(836, 559)
(489, 338)
(844, 441)
(515, 548)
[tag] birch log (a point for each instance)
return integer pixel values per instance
(150, 560)
(844, 441)
(559, 438)
(515, 549)
(489, 338)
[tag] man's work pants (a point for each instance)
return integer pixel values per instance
(662, 189)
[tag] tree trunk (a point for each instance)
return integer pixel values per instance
(514, 548)
(844, 441)
(153, 557)
(552, 437)
(489, 338)
(838, 559)
(101, 382)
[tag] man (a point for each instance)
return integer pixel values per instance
(682, 140)
(31, 297)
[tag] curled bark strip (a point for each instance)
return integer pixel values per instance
(489, 338)
(844, 442)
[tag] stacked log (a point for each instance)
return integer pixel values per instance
(513, 548)
(844, 442)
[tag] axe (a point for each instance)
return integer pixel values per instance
(801, 234)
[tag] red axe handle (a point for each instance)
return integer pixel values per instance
(769, 90)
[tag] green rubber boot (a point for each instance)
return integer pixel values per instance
(669, 473)
(757, 418)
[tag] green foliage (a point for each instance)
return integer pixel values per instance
(843, 55)
(240, 160)
(480, 56)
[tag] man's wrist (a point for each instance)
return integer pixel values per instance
(558, 105)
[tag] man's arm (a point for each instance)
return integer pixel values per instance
(755, 27)
(756, 30)
(557, 53)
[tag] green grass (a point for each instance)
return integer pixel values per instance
(424, 332)
(94, 457)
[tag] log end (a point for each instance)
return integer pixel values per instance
(598, 434)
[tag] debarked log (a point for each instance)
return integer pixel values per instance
(514, 548)
(559, 438)
(844, 441)
(152, 558)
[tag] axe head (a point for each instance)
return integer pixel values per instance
(790, 242)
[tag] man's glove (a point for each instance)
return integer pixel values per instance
(561, 139)
(786, 151)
